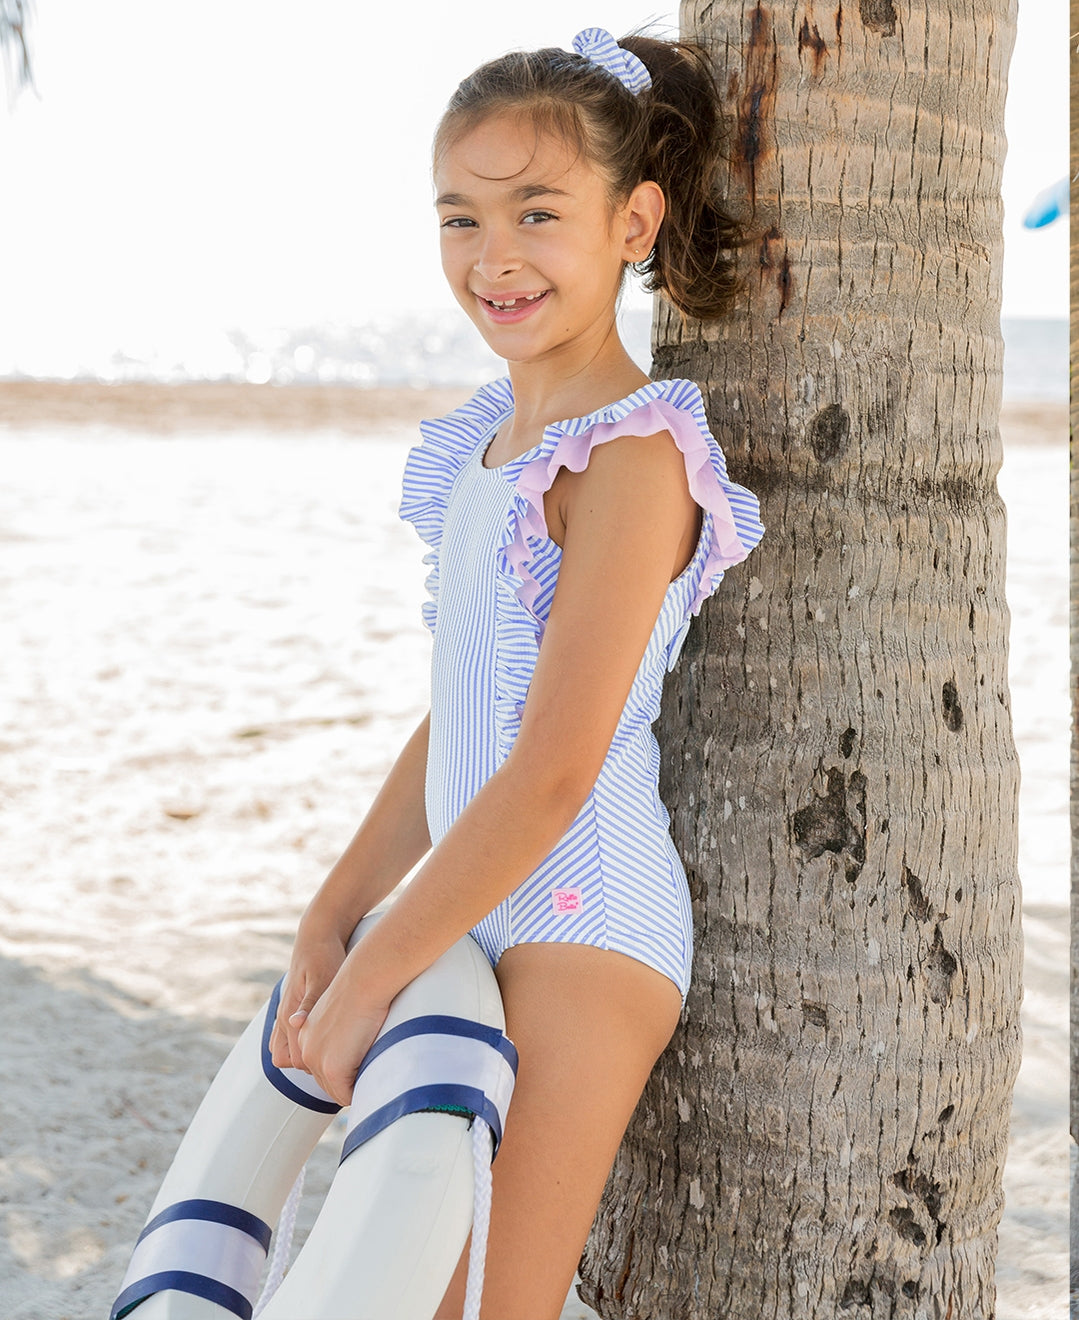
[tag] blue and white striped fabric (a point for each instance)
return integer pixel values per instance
(614, 880)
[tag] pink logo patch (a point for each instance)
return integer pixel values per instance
(566, 900)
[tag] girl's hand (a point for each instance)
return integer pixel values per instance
(339, 1031)
(316, 959)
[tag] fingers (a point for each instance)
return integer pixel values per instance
(294, 1024)
(337, 1084)
(336, 1039)
(336, 1081)
(280, 1054)
(315, 962)
(285, 1050)
(321, 1029)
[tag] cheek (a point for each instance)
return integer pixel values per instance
(456, 268)
(452, 257)
(601, 244)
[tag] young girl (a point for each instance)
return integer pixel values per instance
(578, 514)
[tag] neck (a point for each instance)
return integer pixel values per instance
(573, 380)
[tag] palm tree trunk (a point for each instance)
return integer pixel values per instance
(826, 1135)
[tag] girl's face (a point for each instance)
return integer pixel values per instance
(530, 245)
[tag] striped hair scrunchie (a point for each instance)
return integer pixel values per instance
(599, 47)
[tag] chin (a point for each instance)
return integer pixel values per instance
(510, 350)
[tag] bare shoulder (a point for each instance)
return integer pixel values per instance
(628, 455)
(634, 476)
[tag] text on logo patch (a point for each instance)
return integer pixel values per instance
(566, 900)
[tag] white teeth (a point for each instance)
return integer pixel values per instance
(512, 302)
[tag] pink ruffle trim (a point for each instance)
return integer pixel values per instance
(706, 485)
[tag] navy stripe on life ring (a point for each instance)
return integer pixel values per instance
(276, 1077)
(215, 1212)
(438, 1024)
(198, 1285)
(417, 1100)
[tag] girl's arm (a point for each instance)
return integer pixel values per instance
(389, 842)
(625, 516)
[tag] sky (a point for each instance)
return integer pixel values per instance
(185, 169)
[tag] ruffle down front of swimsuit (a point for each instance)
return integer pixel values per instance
(614, 880)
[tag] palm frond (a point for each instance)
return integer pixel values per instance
(14, 47)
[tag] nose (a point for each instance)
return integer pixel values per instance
(497, 254)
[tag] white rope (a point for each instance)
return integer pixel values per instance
(482, 1147)
(282, 1246)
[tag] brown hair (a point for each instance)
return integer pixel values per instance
(670, 134)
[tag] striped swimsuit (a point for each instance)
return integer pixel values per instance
(614, 880)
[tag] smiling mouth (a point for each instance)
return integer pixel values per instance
(513, 304)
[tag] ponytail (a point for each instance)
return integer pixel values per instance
(693, 260)
(670, 134)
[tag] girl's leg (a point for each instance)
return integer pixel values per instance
(589, 1026)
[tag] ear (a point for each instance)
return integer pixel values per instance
(643, 214)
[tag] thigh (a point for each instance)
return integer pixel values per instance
(589, 1025)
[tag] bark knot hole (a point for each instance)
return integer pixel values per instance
(829, 432)
(856, 1293)
(815, 1014)
(878, 16)
(774, 258)
(867, 1292)
(847, 740)
(917, 902)
(940, 967)
(950, 708)
(835, 822)
(903, 1220)
(924, 1195)
(809, 38)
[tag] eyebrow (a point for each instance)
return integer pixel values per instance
(525, 193)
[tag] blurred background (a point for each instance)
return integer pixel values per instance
(241, 191)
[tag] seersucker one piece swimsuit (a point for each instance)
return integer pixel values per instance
(614, 880)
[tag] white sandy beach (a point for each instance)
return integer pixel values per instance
(212, 652)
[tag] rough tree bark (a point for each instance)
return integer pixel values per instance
(826, 1135)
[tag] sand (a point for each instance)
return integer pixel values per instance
(212, 653)
(210, 407)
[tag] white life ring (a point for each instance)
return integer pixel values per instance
(398, 1213)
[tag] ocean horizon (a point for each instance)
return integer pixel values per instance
(439, 350)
